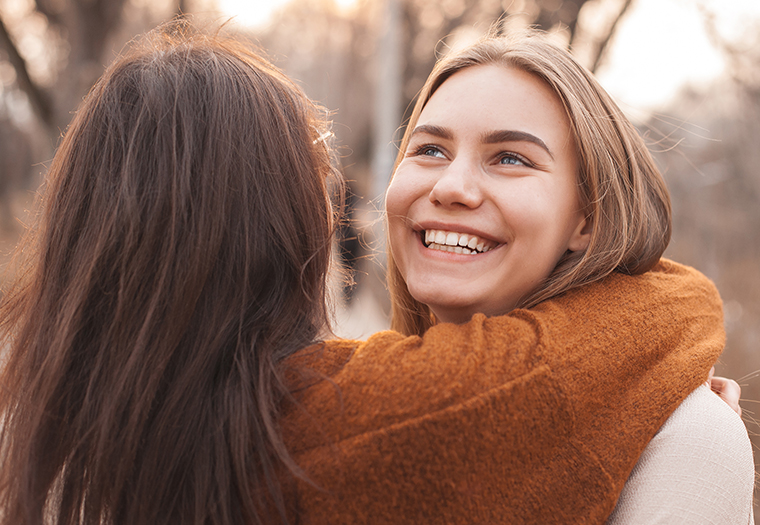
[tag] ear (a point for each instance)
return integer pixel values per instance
(581, 236)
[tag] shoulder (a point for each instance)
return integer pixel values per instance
(706, 415)
(697, 469)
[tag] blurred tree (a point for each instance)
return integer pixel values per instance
(709, 154)
(51, 53)
(15, 169)
(82, 28)
(38, 98)
(431, 27)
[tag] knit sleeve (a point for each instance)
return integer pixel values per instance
(698, 469)
(533, 417)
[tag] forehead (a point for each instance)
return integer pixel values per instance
(497, 97)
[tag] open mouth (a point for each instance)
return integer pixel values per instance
(454, 242)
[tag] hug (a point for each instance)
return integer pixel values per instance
(169, 357)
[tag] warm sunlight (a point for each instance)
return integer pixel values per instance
(646, 72)
(257, 13)
(254, 13)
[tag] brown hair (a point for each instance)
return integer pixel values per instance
(620, 188)
(181, 255)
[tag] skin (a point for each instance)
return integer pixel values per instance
(727, 389)
(493, 156)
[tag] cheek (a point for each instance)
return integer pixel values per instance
(524, 208)
(398, 200)
(403, 190)
(561, 221)
(395, 198)
(540, 223)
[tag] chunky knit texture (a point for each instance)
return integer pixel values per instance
(537, 416)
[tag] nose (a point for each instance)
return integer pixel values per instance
(458, 186)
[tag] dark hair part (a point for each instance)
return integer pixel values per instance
(181, 255)
(620, 188)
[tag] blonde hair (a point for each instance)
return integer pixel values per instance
(620, 189)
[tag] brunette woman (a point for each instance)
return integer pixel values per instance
(180, 256)
(164, 362)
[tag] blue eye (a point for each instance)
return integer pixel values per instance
(512, 159)
(430, 151)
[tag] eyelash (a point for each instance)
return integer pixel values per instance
(426, 147)
(515, 156)
(421, 151)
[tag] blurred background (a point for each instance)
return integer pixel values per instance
(687, 72)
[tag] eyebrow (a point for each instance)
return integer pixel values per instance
(508, 135)
(492, 137)
(436, 131)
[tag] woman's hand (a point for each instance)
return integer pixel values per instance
(727, 389)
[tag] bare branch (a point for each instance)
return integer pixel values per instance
(37, 97)
(743, 61)
(601, 49)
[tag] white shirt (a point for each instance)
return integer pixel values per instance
(698, 469)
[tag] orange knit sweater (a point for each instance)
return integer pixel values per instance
(533, 417)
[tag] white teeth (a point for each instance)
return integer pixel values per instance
(452, 249)
(456, 242)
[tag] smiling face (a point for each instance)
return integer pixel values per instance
(485, 201)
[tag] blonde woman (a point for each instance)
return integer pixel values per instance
(518, 180)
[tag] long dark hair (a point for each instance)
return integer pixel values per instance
(180, 255)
